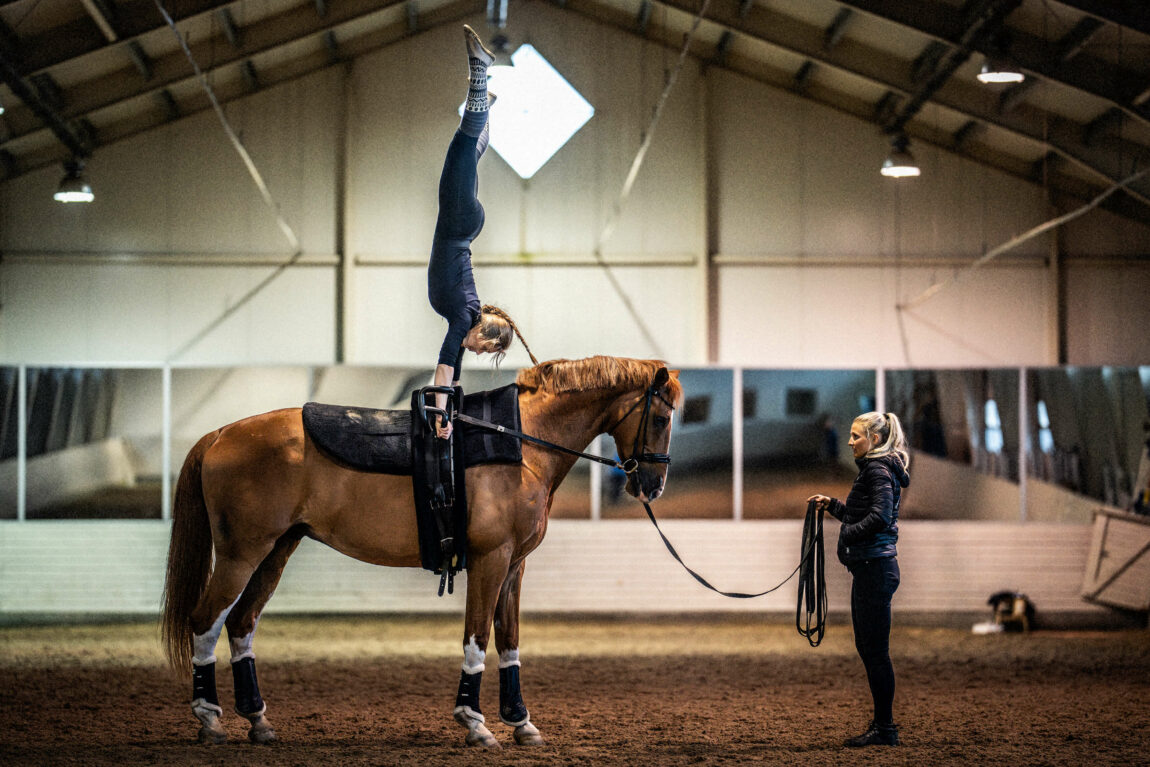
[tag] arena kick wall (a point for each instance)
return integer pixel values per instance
(755, 219)
(52, 570)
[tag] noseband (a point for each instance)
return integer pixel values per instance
(631, 465)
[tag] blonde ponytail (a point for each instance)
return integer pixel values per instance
(890, 431)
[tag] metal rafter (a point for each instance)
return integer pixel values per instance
(1108, 160)
(1127, 13)
(1062, 185)
(145, 120)
(80, 37)
(1091, 75)
(289, 27)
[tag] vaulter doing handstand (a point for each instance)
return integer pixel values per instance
(471, 326)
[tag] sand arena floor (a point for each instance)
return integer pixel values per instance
(628, 691)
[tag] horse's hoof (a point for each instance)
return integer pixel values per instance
(212, 736)
(477, 732)
(261, 731)
(264, 734)
(483, 738)
(527, 735)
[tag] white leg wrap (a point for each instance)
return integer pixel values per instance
(204, 645)
(509, 658)
(473, 657)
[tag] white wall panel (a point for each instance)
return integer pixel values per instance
(74, 312)
(103, 567)
(791, 316)
(791, 183)
(798, 179)
(183, 188)
(1108, 313)
(568, 312)
(403, 115)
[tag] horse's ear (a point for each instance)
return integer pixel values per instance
(661, 378)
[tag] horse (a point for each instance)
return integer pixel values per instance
(249, 492)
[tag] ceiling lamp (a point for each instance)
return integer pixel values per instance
(74, 187)
(998, 69)
(900, 163)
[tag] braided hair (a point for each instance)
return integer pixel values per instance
(497, 325)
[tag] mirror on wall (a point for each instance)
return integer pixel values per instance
(82, 463)
(1088, 431)
(795, 429)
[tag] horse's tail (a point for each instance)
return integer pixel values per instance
(189, 558)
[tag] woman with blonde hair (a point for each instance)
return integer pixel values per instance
(483, 329)
(867, 540)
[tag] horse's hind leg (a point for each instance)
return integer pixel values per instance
(512, 710)
(229, 577)
(241, 622)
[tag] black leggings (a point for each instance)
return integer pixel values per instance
(875, 582)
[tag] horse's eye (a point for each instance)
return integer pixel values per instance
(661, 421)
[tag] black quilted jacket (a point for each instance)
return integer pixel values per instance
(870, 514)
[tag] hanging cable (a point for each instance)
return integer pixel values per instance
(1014, 242)
(257, 177)
(629, 182)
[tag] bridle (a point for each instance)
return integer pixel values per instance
(628, 466)
(631, 465)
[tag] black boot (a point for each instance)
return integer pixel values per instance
(875, 735)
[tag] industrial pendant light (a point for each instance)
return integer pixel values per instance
(998, 69)
(900, 163)
(74, 187)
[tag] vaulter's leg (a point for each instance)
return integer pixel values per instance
(512, 710)
(229, 578)
(485, 576)
(241, 624)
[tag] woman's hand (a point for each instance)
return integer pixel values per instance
(821, 501)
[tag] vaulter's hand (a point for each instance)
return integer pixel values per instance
(443, 430)
(821, 501)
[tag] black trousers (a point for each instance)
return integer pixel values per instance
(875, 581)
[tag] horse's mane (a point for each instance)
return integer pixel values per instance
(595, 373)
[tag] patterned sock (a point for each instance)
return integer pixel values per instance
(485, 134)
(476, 106)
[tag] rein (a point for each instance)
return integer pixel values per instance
(812, 583)
(629, 466)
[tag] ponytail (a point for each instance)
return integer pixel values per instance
(890, 431)
(502, 337)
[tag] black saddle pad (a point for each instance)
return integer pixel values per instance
(380, 440)
(363, 438)
(500, 407)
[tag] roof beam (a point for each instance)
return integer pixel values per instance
(229, 89)
(44, 111)
(103, 13)
(1109, 163)
(78, 38)
(837, 28)
(292, 25)
(1091, 75)
(803, 76)
(228, 25)
(765, 25)
(1125, 13)
(984, 19)
(140, 59)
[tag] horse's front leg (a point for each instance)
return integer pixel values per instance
(512, 710)
(485, 576)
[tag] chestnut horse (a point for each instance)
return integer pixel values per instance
(249, 492)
